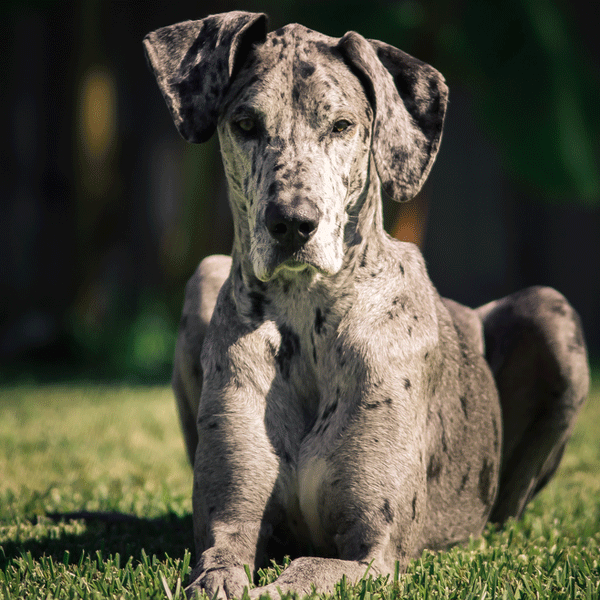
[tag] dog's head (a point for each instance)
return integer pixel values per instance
(300, 116)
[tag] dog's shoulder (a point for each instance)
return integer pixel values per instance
(393, 315)
(395, 281)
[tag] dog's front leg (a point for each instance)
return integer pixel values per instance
(361, 484)
(234, 476)
(235, 467)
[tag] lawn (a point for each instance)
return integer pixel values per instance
(109, 450)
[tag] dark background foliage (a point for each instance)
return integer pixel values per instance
(105, 211)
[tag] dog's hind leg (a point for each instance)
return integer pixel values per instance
(535, 347)
(200, 297)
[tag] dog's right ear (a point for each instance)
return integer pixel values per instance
(194, 63)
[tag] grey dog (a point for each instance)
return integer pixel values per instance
(334, 406)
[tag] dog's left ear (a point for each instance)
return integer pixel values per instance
(409, 100)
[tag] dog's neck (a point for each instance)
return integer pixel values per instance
(364, 237)
(364, 230)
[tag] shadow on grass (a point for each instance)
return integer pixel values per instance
(111, 533)
(39, 373)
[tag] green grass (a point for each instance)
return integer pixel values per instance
(109, 449)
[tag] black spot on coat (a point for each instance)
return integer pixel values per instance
(463, 405)
(485, 482)
(274, 188)
(289, 347)
(257, 301)
(434, 468)
(559, 308)
(388, 513)
(363, 258)
(330, 410)
(319, 321)
(378, 403)
(305, 69)
(496, 434)
(465, 479)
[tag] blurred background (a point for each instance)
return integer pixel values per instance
(105, 211)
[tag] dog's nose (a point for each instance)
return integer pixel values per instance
(292, 225)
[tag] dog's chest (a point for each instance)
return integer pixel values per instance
(303, 341)
(328, 343)
(308, 327)
(323, 359)
(304, 391)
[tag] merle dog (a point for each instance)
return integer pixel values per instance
(333, 405)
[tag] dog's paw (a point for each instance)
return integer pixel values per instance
(218, 572)
(272, 591)
(226, 582)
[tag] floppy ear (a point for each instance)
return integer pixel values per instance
(409, 100)
(195, 61)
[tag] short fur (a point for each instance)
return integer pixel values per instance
(334, 406)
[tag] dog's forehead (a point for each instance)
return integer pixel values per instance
(297, 40)
(302, 63)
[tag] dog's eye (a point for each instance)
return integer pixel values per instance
(341, 126)
(246, 125)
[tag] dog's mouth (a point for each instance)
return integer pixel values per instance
(292, 264)
(290, 267)
(298, 264)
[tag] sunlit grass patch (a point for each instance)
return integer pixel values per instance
(113, 450)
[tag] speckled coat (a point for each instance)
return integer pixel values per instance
(335, 408)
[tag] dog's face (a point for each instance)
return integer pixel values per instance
(301, 118)
(295, 137)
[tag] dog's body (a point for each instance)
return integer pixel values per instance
(332, 403)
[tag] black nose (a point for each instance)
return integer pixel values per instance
(292, 225)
